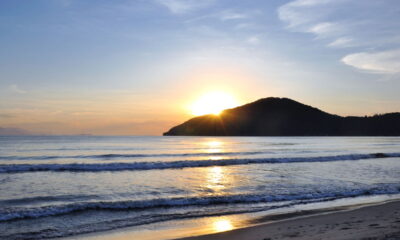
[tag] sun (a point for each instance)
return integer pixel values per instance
(213, 103)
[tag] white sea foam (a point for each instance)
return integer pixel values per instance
(95, 167)
(127, 155)
(54, 210)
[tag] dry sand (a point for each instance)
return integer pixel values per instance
(365, 223)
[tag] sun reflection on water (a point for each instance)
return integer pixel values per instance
(214, 146)
(222, 225)
(215, 178)
(213, 143)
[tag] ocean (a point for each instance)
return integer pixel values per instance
(65, 186)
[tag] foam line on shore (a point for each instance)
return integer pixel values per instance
(53, 210)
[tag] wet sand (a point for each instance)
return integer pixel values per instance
(365, 223)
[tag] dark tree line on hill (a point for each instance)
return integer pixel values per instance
(286, 117)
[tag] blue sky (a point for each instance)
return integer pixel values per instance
(131, 66)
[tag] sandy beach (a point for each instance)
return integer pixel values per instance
(366, 223)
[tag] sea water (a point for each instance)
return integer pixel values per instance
(56, 186)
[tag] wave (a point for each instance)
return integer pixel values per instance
(116, 155)
(96, 167)
(41, 199)
(54, 210)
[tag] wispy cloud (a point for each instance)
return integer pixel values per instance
(244, 26)
(227, 15)
(364, 25)
(324, 29)
(253, 40)
(184, 6)
(380, 62)
(293, 13)
(232, 15)
(341, 42)
(16, 89)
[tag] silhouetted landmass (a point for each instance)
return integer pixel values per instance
(13, 132)
(286, 117)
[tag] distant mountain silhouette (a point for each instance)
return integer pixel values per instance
(13, 132)
(286, 117)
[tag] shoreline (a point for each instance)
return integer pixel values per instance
(279, 225)
(366, 222)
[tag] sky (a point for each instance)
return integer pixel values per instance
(132, 67)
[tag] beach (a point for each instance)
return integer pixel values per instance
(365, 223)
(200, 120)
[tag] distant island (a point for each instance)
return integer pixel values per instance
(13, 132)
(285, 117)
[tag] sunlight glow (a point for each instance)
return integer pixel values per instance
(215, 178)
(213, 144)
(214, 147)
(223, 225)
(213, 103)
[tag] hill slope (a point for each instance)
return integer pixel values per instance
(286, 117)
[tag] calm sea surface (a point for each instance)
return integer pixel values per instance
(57, 186)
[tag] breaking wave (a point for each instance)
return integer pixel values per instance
(95, 167)
(116, 155)
(54, 210)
